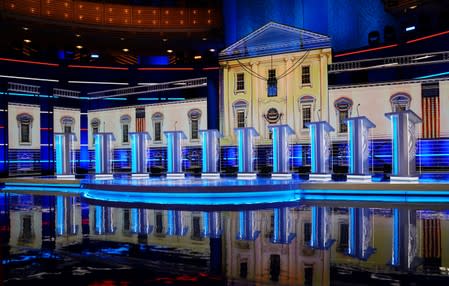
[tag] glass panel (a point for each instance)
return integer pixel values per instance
(272, 83)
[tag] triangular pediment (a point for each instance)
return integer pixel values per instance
(274, 38)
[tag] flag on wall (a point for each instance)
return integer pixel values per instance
(430, 110)
(140, 119)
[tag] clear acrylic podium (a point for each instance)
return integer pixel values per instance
(281, 153)
(404, 145)
(174, 154)
(65, 155)
(246, 152)
(103, 155)
(358, 143)
(210, 144)
(320, 150)
(139, 155)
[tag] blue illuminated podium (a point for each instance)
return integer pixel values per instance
(246, 152)
(174, 154)
(103, 155)
(320, 150)
(210, 143)
(139, 155)
(281, 153)
(404, 145)
(358, 141)
(65, 155)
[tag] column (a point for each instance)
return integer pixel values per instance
(174, 154)
(210, 154)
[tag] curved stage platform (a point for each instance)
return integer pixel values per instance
(232, 192)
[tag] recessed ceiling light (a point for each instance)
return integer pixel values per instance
(164, 39)
(169, 51)
(79, 47)
(27, 41)
(204, 39)
(125, 50)
(197, 57)
(211, 50)
(25, 28)
(122, 39)
(78, 35)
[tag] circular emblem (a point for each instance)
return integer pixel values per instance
(272, 115)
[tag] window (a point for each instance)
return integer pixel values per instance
(157, 119)
(126, 220)
(243, 269)
(344, 236)
(95, 125)
(125, 121)
(400, 102)
(240, 82)
(196, 232)
(343, 106)
(194, 116)
(25, 123)
(67, 123)
(307, 233)
(26, 233)
(275, 267)
(306, 104)
(305, 75)
(159, 223)
(272, 83)
(240, 109)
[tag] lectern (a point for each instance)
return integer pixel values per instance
(358, 141)
(246, 152)
(210, 153)
(103, 155)
(65, 155)
(139, 155)
(174, 154)
(320, 150)
(404, 145)
(281, 153)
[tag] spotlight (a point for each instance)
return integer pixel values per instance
(164, 39)
(77, 35)
(79, 47)
(411, 28)
(169, 51)
(197, 57)
(27, 41)
(94, 56)
(25, 28)
(122, 39)
(204, 39)
(211, 50)
(125, 50)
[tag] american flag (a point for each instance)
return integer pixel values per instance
(431, 244)
(430, 111)
(140, 119)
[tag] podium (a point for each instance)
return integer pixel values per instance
(174, 154)
(281, 153)
(103, 155)
(210, 154)
(246, 152)
(320, 150)
(65, 155)
(139, 155)
(404, 145)
(358, 142)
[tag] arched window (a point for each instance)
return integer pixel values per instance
(194, 117)
(24, 121)
(240, 112)
(95, 124)
(400, 102)
(157, 119)
(67, 123)
(306, 104)
(125, 121)
(272, 83)
(343, 106)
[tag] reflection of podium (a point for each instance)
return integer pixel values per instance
(246, 152)
(404, 145)
(281, 153)
(212, 224)
(247, 226)
(360, 233)
(174, 154)
(139, 156)
(321, 228)
(320, 150)
(103, 155)
(358, 137)
(210, 154)
(65, 155)
(281, 232)
(175, 223)
(405, 246)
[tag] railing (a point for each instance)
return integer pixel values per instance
(149, 88)
(115, 15)
(20, 87)
(66, 93)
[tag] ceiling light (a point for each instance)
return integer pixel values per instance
(79, 47)
(211, 50)
(78, 35)
(94, 56)
(125, 50)
(27, 41)
(164, 39)
(169, 51)
(197, 57)
(122, 39)
(412, 7)
(204, 39)
(25, 28)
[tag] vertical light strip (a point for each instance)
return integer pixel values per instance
(59, 151)
(134, 153)
(395, 259)
(351, 146)
(275, 139)
(352, 231)
(240, 150)
(313, 153)
(170, 151)
(276, 213)
(99, 219)
(170, 222)
(60, 215)
(98, 149)
(204, 137)
(134, 218)
(241, 234)
(395, 155)
(313, 234)
(207, 232)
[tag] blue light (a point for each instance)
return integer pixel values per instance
(134, 155)
(395, 259)
(240, 150)
(170, 150)
(241, 234)
(411, 28)
(147, 98)
(206, 224)
(313, 146)
(99, 220)
(59, 215)
(134, 220)
(98, 149)
(395, 139)
(432, 75)
(115, 98)
(313, 235)
(59, 151)
(276, 226)
(352, 230)
(275, 150)
(94, 56)
(351, 147)
(204, 138)
(170, 222)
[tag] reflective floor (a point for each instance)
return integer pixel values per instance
(64, 240)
